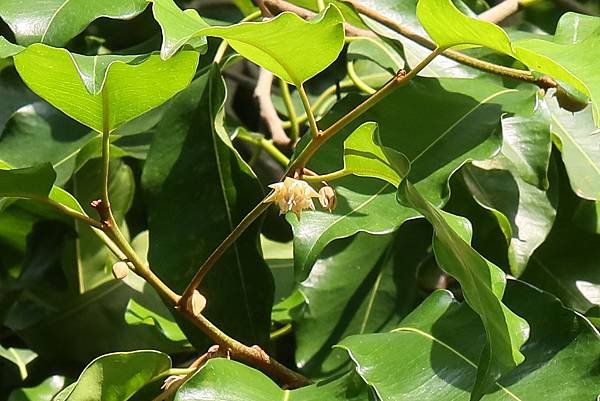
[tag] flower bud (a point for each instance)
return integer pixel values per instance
(196, 303)
(120, 270)
(327, 198)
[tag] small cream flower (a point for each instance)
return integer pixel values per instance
(292, 195)
(327, 198)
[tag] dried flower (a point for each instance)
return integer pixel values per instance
(327, 197)
(196, 303)
(292, 195)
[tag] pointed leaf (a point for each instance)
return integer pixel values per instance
(190, 153)
(103, 91)
(55, 22)
(178, 27)
(440, 341)
(45, 391)
(482, 284)
(365, 156)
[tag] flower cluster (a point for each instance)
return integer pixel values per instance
(292, 195)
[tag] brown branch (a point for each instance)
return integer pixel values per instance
(267, 111)
(501, 11)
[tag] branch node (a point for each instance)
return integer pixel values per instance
(103, 211)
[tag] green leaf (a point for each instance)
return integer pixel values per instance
(514, 186)
(60, 325)
(365, 156)
(567, 264)
(577, 138)
(55, 22)
(55, 137)
(139, 314)
(222, 379)
(442, 338)
(103, 91)
(178, 27)
(482, 284)
(575, 63)
(15, 94)
(280, 258)
(285, 45)
(350, 291)
(465, 127)
(405, 13)
(190, 153)
(31, 182)
(45, 391)
(20, 357)
(117, 376)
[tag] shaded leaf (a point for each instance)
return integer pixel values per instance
(20, 357)
(15, 93)
(191, 152)
(442, 339)
(483, 285)
(55, 22)
(55, 137)
(30, 182)
(350, 291)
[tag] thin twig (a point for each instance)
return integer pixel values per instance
(279, 6)
(264, 144)
(501, 11)
(266, 109)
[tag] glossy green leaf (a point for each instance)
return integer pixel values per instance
(117, 376)
(55, 22)
(178, 27)
(139, 314)
(577, 138)
(365, 156)
(575, 63)
(190, 153)
(514, 186)
(280, 258)
(440, 341)
(222, 379)
(350, 291)
(310, 46)
(103, 89)
(45, 391)
(482, 284)
(465, 127)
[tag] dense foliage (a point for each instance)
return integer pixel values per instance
(299, 200)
